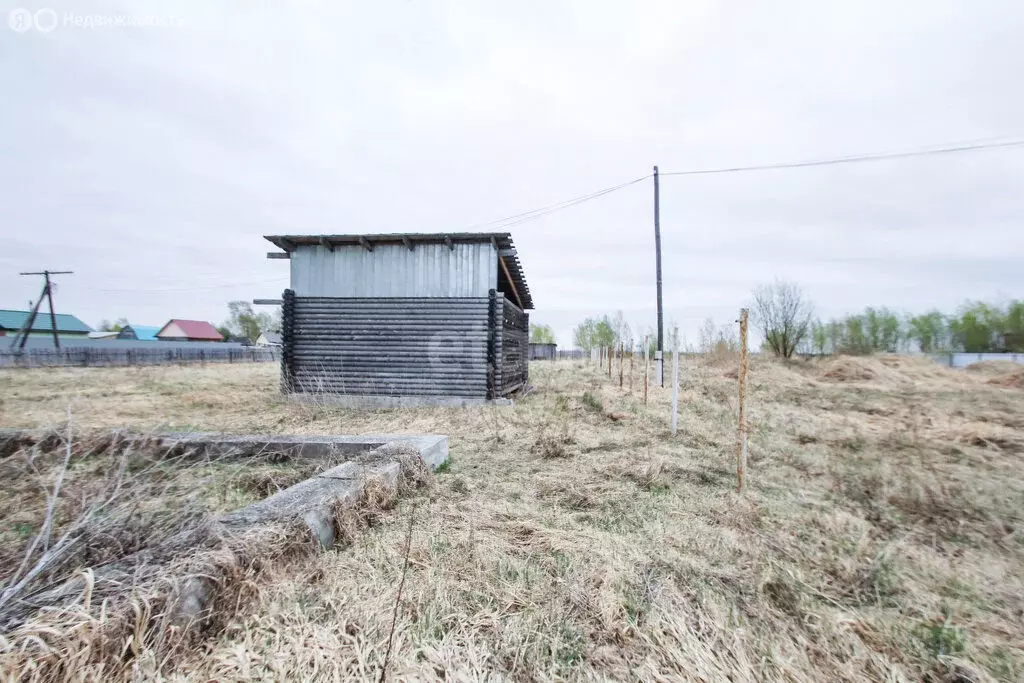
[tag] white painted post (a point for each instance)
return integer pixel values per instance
(675, 379)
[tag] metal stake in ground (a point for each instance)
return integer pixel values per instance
(675, 379)
(741, 435)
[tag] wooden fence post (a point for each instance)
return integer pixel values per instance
(622, 349)
(610, 352)
(632, 353)
(741, 435)
(647, 369)
(675, 379)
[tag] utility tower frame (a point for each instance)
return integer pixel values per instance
(22, 336)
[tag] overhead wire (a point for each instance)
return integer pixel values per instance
(880, 156)
(541, 212)
(534, 214)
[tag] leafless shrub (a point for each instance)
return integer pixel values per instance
(783, 316)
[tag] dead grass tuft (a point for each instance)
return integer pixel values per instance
(1012, 380)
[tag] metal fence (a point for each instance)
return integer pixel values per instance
(102, 357)
(962, 360)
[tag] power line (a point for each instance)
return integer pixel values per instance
(541, 212)
(535, 214)
(881, 156)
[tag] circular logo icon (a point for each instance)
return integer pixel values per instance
(46, 20)
(20, 20)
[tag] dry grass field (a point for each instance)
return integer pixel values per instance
(572, 537)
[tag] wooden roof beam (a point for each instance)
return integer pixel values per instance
(407, 242)
(449, 243)
(326, 243)
(278, 254)
(511, 283)
(286, 244)
(366, 243)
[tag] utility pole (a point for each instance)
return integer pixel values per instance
(659, 354)
(22, 336)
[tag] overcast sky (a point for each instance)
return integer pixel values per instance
(151, 159)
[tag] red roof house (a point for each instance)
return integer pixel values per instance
(189, 330)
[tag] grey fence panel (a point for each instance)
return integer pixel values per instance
(156, 354)
(962, 360)
(396, 346)
(543, 351)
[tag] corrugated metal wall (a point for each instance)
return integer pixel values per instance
(392, 270)
(543, 351)
(388, 346)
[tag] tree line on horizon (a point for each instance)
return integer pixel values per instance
(788, 325)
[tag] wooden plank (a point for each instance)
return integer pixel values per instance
(448, 242)
(511, 282)
(326, 243)
(366, 244)
(407, 242)
(278, 254)
(267, 302)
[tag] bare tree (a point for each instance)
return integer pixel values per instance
(783, 315)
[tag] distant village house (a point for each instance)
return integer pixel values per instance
(67, 325)
(189, 330)
(139, 332)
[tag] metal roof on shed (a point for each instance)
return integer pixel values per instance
(13, 320)
(501, 240)
(143, 332)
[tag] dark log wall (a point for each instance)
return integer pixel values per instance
(387, 346)
(454, 347)
(515, 346)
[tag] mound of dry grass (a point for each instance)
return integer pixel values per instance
(849, 369)
(1013, 380)
(993, 367)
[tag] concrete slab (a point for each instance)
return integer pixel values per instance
(370, 402)
(433, 448)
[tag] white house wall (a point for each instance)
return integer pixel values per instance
(392, 270)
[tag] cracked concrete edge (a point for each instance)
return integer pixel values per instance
(374, 402)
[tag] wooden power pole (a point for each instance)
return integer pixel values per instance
(22, 336)
(659, 354)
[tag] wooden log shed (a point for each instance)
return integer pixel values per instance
(422, 318)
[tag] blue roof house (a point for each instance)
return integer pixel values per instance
(139, 332)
